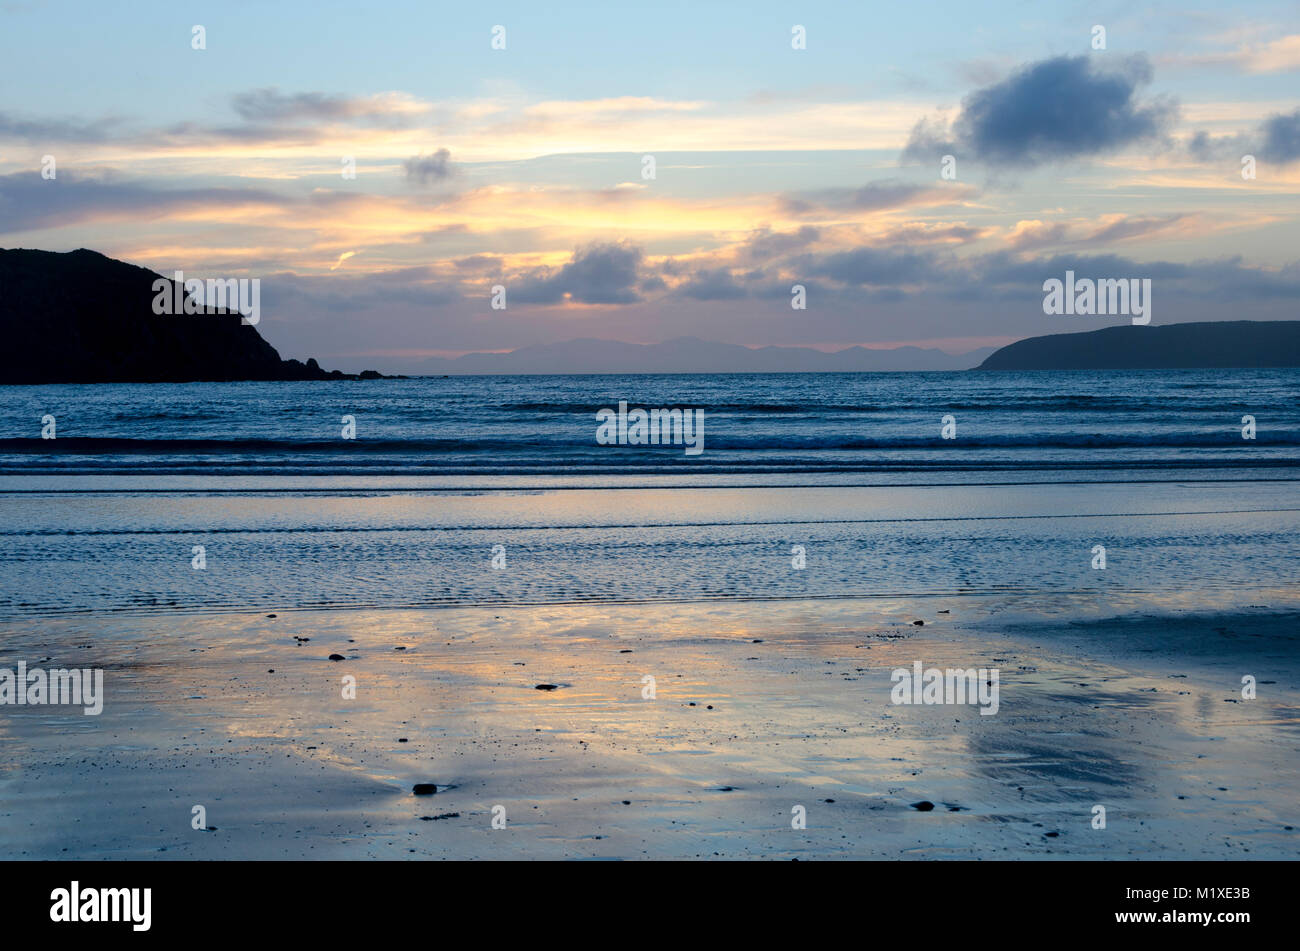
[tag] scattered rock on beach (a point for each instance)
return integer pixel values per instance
(337, 657)
(923, 806)
(548, 687)
(424, 789)
(919, 623)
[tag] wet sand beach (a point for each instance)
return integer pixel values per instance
(759, 707)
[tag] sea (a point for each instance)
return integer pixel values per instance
(496, 490)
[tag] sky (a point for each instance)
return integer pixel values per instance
(528, 167)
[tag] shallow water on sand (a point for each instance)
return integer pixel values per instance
(1174, 543)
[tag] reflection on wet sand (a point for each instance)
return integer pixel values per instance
(756, 709)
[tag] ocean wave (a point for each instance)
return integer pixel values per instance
(582, 443)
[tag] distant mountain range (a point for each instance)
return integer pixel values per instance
(1220, 344)
(81, 317)
(692, 355)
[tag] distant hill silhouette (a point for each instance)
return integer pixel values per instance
(81, 317)
(692, 355)
(1226, 344)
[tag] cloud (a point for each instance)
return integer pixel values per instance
(1028, 234)
(1276, 139)
(1281, 55)
(55, 130)
(270, 105)
(939, 233)
(1276, 56)
(877, 266)
(712, 284)
(766, 243)
(29, 202)
(1281, 135)
(873, 196)
(1053, 110)
(429, 168)
(597, 274)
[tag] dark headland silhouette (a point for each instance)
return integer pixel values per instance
(1220, 344)
(81, 317)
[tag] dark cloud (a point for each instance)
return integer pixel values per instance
(479, 264)
(39, 131)
(712, 284)
(1276, 139)
(936, 234)
(598, 274)
(766, 244)
(873, 196)
(269, 105)
(430, 168)
(29, 202)
(1054, 110)
(414, 287)
(876, 266)
(1281, 137)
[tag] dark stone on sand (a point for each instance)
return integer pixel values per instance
(919, 623)
(548, 687)
(401, 739)
(270, 615)
(424, 789)
(337, 657)
(923, 806)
